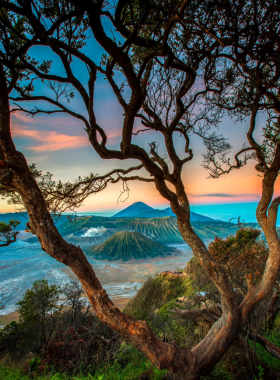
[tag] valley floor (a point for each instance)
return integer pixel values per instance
(120, 279)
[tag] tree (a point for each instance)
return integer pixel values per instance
(181, 62)
(242, 255)
(39, 315)
(78, 307)
(39, 310)
(8, 233)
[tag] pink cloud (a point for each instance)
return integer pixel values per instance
(23, 126)
(50, 140)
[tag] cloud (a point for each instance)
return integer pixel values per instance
(50, 140)
(66, 136)
(53, 140)
(220, 195)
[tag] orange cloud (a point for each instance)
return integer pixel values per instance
(50, 140)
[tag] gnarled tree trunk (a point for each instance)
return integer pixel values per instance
(15, 175)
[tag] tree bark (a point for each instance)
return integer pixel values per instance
(212, 318)
(182, 362)
(185, 364)
(268, 346)
(163, 355)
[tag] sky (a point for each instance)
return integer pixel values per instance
(58, 143)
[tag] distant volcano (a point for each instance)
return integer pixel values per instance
(134, 210)
(126, 246)
(141, 210)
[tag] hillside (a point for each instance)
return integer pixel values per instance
(82, 241)
(161, 290)
(84, 223)
(23, 218)
(194, 216)
(89, 231)
(164, 230)
(208, 230)
(126, 246)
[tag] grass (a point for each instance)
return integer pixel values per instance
(129, 364)
(160, 293)
(11, 373)
(274, 337)
(157, 292)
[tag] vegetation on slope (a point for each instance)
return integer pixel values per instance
(160, 229)
(126, 246)
(157, 299)
(85, 222)
(155, 302)
(78, 343)
(166, 229)
(157, 292)
(163, 229)
(209, 230)
(128, 364)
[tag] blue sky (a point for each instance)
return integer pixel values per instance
(58, 143)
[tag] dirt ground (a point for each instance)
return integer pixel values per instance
(136, 270)
(121, 272)
(5, 319)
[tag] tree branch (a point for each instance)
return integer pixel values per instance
(49, 100)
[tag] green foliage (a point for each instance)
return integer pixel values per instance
(59, 196)
(39, 314)
(128, 364)
(8, 230)
(8, 227)
(223, 249)
(274, 337)
(271, 140)
(39, 309)
(242, 255)
(157, 292)
(164, 311)
(39, 302)
(260, 373)
(34, 363)
(219, 372)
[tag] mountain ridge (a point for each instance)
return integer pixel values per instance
(142, 210)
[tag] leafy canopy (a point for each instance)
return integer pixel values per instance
(39, 302)
(241, 255)
(8, 231)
